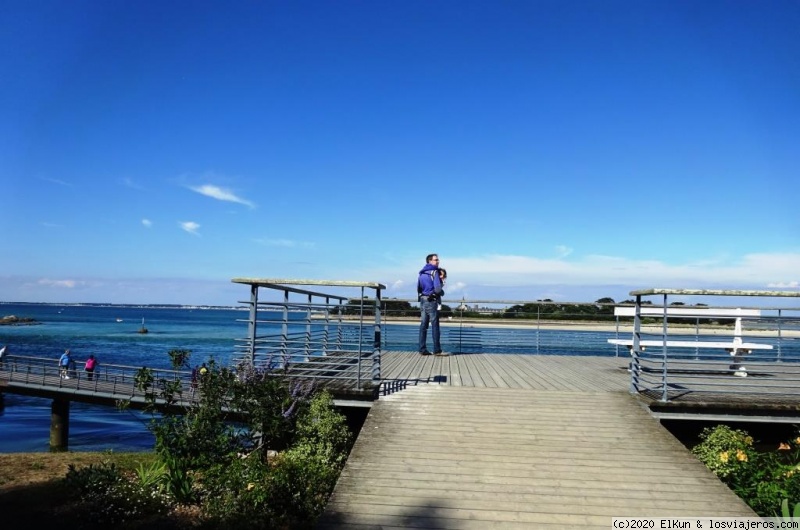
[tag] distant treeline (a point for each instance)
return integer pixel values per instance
(546, 309)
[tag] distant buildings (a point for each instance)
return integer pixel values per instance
(464, 308)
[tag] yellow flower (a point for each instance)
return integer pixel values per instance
(741, 456)
(789, 473)
(723, 457)
(797, 440)
(749, 440)
(250, 486)
(784, 447)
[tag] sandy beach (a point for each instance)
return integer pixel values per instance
(622, 328)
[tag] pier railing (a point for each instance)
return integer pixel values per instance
(305, 334)
(748, 357)
(108, 379)
(332, 337)
(337, 339)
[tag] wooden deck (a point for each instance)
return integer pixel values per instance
(763, 392)
(506, 442)
(542, 372)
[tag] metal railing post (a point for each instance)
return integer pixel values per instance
(285, 329)
(376, 345)
(635, 346)
(664, 352)
(325, 330)
(307, 353)
(251, 324)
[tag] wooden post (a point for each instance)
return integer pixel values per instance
(59, 425)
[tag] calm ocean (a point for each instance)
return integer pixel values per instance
(111, 334)
(25, 421)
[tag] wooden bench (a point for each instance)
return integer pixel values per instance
(736, 347)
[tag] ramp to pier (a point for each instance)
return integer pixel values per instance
(436, 456)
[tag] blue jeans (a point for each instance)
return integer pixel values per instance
(429, 316)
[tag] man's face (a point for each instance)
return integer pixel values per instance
(434, 260)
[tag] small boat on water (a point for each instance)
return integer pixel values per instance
(142, 329)
(119, 320)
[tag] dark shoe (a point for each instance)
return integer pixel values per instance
(424, 353)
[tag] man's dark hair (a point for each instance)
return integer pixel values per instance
(429, 257)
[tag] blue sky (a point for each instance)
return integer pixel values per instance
(150, 151)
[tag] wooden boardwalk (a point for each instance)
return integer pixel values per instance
(507, 442)
(542, 372)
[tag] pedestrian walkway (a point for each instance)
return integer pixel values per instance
(439, 456)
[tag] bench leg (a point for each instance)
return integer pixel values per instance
(737, 368)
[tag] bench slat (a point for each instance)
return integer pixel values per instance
(695, 344)
(688, 312)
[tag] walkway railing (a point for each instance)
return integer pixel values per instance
(306, 331)
(679, 358)
(111, 379)
(337, 339)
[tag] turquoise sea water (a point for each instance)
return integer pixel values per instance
(25, 421)
(93, 329)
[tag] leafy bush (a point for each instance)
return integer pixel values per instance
(105, 497)
(92, 479)
(291, 489)
(257, 450)
(725, 451)
(237, 496)
(305, 475)
(152, 476)
(762, 479)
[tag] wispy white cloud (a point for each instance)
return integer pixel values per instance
(495, 273)
(55, 181)
(190, 226)
(69, 284)
(787, 285)
(147, 222)
(131, 184)
(563, 251)
(221, 194)
(288, 243)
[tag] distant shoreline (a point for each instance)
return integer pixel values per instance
(623, 328)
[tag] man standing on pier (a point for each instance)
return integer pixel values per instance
(429, 288)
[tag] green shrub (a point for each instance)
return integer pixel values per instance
(725, 451)
(218, 450)
(92, 479)
(179, 480)
(290, 490)
(104, 496)
(763, 479)
(152, 476)
(237, 496)
(304, 476)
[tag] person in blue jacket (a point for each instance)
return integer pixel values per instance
(429, 290)
(64, 363)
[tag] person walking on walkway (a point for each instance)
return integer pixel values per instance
(91, 364)
(64, 363)
(429, 288)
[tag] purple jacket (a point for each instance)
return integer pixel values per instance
(429, 282)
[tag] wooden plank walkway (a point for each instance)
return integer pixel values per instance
(517, 442)
(543, 372)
